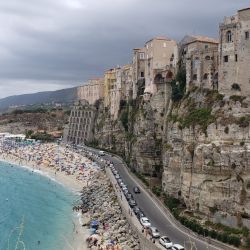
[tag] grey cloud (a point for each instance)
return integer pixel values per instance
(69, 41)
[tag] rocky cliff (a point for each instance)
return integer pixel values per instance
(199, 146)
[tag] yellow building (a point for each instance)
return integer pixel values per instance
(109, 82)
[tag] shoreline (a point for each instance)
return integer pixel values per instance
(67, 181)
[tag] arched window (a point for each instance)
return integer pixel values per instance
(207, 58)
(194, 77)
(205, 76)
(229, 36)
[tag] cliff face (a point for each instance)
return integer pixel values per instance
(199, 146)
(207, 153)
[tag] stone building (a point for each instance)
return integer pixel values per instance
(127, 82)
(201, 62)
(91, 91)
(81, 122)
(109, 82)
(115, 94)
(161, 54)
(234, 54)
(138, 72)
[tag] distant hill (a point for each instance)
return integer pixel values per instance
(59, 96)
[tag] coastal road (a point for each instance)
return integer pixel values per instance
(155, 212)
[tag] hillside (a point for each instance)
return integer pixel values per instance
(21, 121)
(58, 96)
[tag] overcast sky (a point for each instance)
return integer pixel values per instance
(53, 44)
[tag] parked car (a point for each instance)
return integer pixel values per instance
(132, 203)
(166, 242)
(117, 176)
(140, 214)
(136, 190)
(101, 153)
(136, 210)
(145, 222)
(154, 232)
(177, 247)
(124, 188)
(125, 191)
(129, 196)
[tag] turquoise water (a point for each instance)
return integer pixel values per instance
(34, 209)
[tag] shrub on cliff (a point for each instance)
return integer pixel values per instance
(179, 85)
(200, 116)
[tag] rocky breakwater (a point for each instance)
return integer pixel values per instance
(102, 213)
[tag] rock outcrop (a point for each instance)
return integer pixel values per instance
(199, 146)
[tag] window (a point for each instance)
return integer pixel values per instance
(225, 58)
(141, 55)
(205, 76)
(195, 77)
(196, 63)
(229, 36)
(206, 46)
(164, 45)
(236, 58)
(142, 74)
(247, 35)
(207, 58)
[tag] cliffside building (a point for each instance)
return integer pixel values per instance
(201, 62)
(234, 54)
(138, 72)
(81, 122)
(127, 82)
(161, 54)
(109, 82)
(91, 91)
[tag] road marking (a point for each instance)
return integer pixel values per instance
(159, 207)
(164, 214)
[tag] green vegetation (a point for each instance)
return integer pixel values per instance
(216, 231)
(213, 96)
(236, 98)
(35, 110)
(248, 184)
(197, 116)
(44, 137)
(124, 116)
(200, 116)
(157, 190)
(142, 178)
(179, 85)
(243, 122)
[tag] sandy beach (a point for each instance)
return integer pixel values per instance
(60, 164)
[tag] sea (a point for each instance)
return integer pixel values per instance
(35, 211)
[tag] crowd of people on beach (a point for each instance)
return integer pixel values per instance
(51, 156)
(82, 166)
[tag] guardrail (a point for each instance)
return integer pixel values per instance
(209, 240)
(145, 243)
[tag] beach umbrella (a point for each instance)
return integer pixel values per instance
(94, 223)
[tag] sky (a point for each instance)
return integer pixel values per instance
(55, 44)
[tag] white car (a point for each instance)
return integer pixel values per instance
(166, 242)
(101, 153)
(177, 247)
(145, 222)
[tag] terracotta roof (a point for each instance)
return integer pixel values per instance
(204, 39)
(160, 38)
(244, 9)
